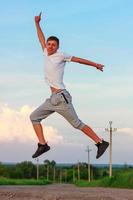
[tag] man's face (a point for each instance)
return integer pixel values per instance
(51, 47)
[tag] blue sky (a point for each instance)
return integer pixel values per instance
(97, 30)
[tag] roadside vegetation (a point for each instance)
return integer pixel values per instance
(27, 173)
(120, 179)
(9, 181)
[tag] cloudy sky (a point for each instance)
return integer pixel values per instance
(100, 31)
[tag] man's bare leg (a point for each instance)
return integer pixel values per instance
(89, 132)
(39, 132)
(101, 144)
(42, 145)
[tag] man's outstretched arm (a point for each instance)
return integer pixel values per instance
(39, 31)
(87, 62)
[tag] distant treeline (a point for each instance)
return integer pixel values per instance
(51, 171)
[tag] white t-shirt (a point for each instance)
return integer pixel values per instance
(54, 68)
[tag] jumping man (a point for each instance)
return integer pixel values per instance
(60, 100)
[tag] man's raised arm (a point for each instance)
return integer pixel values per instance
(87, 62)
(39, 31)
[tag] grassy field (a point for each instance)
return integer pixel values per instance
(6, 181)
(119, 180)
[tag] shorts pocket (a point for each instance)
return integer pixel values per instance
(55, 99)
(67, 97)
(64, 97)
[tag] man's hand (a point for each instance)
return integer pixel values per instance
(39, 31)
(87, 62)
(38, 18)
(100, 67)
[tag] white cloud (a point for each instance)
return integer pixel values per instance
(16, 132)
(16, 125)
(126, 131)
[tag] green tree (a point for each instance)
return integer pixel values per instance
(27, 169)
(2, 170)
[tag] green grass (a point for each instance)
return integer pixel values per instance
(6, 181)
(119, 180)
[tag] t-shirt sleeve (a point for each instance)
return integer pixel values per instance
(67, 57)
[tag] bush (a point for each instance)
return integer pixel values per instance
(5, 181)
(119, 180)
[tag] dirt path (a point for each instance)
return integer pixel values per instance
(63, 192)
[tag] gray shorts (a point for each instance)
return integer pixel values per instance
(61, 103)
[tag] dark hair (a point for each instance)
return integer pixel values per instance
(53, 38)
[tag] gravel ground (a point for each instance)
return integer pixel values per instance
(63, 192)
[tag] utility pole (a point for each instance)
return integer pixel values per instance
(78, 171)
(73, 174)
(37, 168)
(47, 171)
(54, 174)
(65, 175)
(89, 167)
(110, 130)
(61, 175)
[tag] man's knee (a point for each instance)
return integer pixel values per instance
(78, 124)
(34, 118)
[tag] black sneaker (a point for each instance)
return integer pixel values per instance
(42, 148)
(101, 148)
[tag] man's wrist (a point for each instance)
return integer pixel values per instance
(96, 65)
(37, 23)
